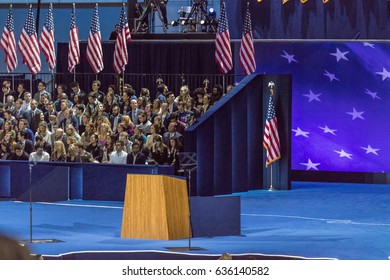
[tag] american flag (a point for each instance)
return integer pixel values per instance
(271, 135)
(46, 41)
(223, 51)
(247, 51)
(8, 43)
(120, 53)
(94, 46)
(28, 44)
(73, 48)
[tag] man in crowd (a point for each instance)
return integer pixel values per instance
(39, 154)
(118, 156)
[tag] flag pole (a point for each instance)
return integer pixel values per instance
(74, 68)
(271, 86)
(271, 188)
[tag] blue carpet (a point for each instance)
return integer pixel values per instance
(313, 220)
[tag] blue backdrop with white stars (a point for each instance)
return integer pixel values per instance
(340, 102)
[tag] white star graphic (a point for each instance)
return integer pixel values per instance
(299, 132)
(290, 57)
(342, 153)
(355, 114)
(312, 96)
(331, 76)
(372, 94)
(310, 165)
(326, 129)
(385, 74)
(367, 44)
(370, 150)
(340, 55)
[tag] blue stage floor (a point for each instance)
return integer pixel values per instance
(313, 220)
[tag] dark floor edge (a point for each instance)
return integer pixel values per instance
(163, 255)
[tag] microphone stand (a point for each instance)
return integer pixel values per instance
(30, 165)
(188, 163)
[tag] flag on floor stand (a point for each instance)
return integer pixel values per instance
(8, 43)
(73, 47)
(28, 44)
(247, 51)
(120, 54)
(94, 45)
(271, 136)
(46, 41)
(223, 51)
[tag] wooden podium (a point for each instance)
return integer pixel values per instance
(155, 207)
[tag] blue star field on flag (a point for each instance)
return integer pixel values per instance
(340, 102)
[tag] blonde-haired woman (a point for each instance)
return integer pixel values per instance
(59, 152)
(103, 133)
(99, 121)
(71, 132)
(43, 130)
(71, 154)
(184, 94)
(129, 124)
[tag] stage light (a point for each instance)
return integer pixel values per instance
(174, 23)
(203, 22)
(183, 22)
(212, 13)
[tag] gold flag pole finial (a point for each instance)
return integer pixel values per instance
(271, 86)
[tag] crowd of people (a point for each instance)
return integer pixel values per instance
(118, 127)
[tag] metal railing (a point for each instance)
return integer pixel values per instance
(136, 80)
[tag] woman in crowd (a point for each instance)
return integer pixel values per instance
(138, 133)
(173, 153)
(71, 154)
(184, 94)
(159, 151)
(103, 133)
(190, 106)
(9, 139)
(149, 113)
(154, 130)
(109, 100)
(158, 121)
(43, 130)
(206, 103)
(99, 112)
(156, 107)
(5, 151)
(141, 102)
(129, 124)
(8, 128)
(93, 148)
(99, 121)
(86, 135)
(52, 125)
(70, 131)
(110, 146)
(145, 94)
(59, 152)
